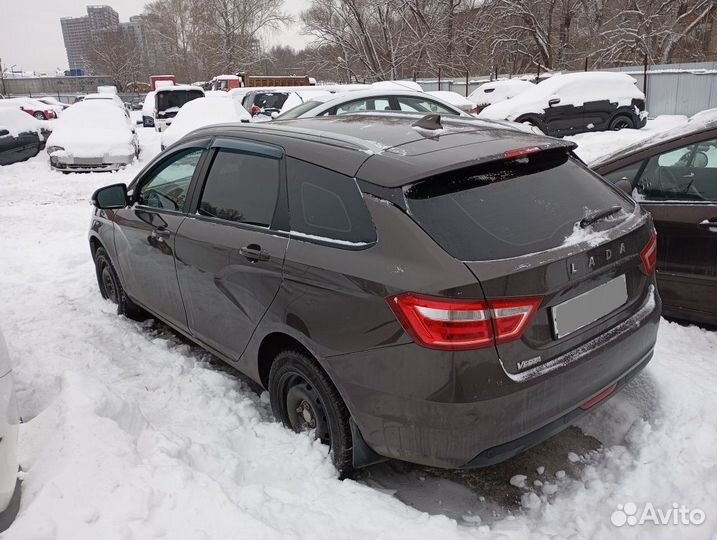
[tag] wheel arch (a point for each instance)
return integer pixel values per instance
(271, 345)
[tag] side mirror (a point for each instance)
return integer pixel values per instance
(554, 100)
(625, 185)
(110, 197)
(4, 132)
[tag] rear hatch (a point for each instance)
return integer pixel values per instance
(540, 228)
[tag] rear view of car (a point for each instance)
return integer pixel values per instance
(93, 135)
(169, 99)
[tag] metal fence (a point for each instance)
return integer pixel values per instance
(671, 88)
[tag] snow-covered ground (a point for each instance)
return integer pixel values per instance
(131, 433)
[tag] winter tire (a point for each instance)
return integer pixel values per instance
(111, 288)
(621, 122)
(304, 399)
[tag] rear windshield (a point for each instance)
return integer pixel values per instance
(507, 209)
(176, 98)
(270, 100)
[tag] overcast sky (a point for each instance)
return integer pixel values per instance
(31, 38)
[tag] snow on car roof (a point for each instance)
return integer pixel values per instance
(16, 121)
(203, 112)
(179, 88)
(702, 121)
(454, 98)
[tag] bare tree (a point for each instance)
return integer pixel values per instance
(114, 53)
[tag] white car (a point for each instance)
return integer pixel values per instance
(372, 100)
(575, 103)
(454, 98)
(56, 105)
(169, 99)
(107, 97)
(94, 135)
(203, 112)
(497, 91)
(31, 106)
(9, 427)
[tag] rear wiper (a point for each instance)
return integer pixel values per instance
(597, 215)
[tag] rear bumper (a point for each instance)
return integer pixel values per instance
(461, 409)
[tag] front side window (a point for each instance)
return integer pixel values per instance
(166, 187)
(241, 187)
(327, 205)
(422, 105)
(361, 105)
(688, 173)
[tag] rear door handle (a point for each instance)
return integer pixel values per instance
(254, 253)
(160, 233)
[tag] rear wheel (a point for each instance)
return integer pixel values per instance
(621, 122)
(39, 115)
(111, 288)
(304, 399)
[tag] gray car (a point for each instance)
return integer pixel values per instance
(425, 290)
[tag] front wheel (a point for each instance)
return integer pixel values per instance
(305, 400)
(39, 115)
(111, 288)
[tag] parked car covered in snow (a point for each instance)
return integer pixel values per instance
(454, 98)
(9, 428)
(448, 294)
(57, 105)
(497, 91)
(576, 103)
(203, 112)
(21, 136)
(108, 97)
(148, 110)
(169, 99)
(31, 106)
(372, 100)
(673, 175)
(94, 135)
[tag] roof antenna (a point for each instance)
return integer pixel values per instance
(430, 121)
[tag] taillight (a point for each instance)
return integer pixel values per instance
(455, 324)
(521, 152)
(649, 253)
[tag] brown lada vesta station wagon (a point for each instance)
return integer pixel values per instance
(444, 294)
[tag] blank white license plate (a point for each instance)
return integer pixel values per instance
(580, 311)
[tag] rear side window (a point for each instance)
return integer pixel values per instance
(509, 209)
(327, 205)
(241, 187)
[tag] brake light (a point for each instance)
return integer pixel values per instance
(649, 254)
(521, 152)
(455, 324)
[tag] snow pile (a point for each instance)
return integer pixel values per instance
(454, 98)
(131, 433)
(203, 112)
(497, 91)
(572, 88)
(93, 128)
(16, 121)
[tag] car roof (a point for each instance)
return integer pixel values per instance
(386, 148)
(702, 122)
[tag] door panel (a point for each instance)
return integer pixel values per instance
(227, 292)
(229, 264)
(146, 233)
(679, 188)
